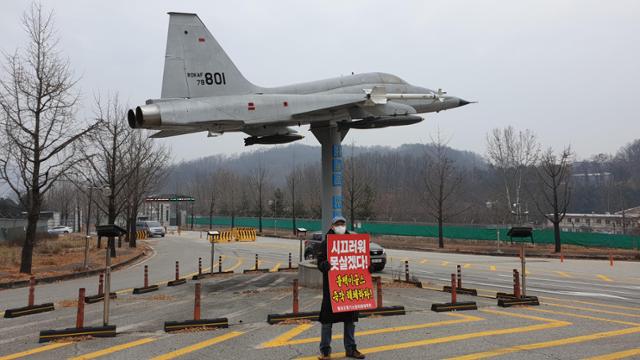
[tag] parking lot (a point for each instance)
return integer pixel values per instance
(575, 320)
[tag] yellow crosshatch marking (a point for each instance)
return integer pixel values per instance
(113, 349)
(563, 274)
(276, 267)
(604, 278)
(466, 266)
(424, 261)
(198, 346)
(287, 338)
(35, 351)
(547, 324)
(492, 268)
(444, 263)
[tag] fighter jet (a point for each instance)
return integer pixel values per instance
(202, 90)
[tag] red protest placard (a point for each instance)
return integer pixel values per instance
(350, 283)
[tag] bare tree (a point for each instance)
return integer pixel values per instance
(146, 162)
(258, 182)
(440, 180)
(39, 129)
(554, 172)
(359, 192)
(293, 180)
(513, 154)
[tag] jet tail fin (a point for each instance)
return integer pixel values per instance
(195, 63)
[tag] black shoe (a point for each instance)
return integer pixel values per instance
(324, 356)
(355, 354)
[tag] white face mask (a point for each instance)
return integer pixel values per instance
(340, 229)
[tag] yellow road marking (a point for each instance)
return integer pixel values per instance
(276, 267)
(547, 344)
(527, 272)
(198, 346)
(35, 350)
(594, 303)
(444, 263)
(584, 316)
(466, 266)
(286, 338)
(424, 261)
(617, 355)
(113, 349)
(549, 324)
(563, 274)
(236, 265)
(492, 268)
(592, 310)
(124, 291)
(602, 277)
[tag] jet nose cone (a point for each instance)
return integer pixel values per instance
(462, 102)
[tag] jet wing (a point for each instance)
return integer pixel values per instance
(329, 104)
(168, 133)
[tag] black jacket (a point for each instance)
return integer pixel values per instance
(326, 314)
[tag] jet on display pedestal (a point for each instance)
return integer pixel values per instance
(202, 90)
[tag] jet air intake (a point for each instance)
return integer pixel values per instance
(144, 117)
(384, 121)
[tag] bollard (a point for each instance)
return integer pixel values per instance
(32, 290)
(378, 281)
(256, 262)
(80, 314)
(199, 266)
(219, 264)
(459, 277)
(516, 283)
(196, 306)
(177, 270)
(561, 258)
(146, 276)
(610, 260)
(295, 296)
(289, 260)
(453, 289)
(101, 284)
(406, 270)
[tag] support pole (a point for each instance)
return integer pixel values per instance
(177, 270)
(289, 260)
(219, 264)
(80, 313)
(212, 253)
(516, 283)
(101, 284)
(406, 270)
(459, 277)
(453, 289)
(524, 271)
(296, 306)
(196, 304)
(199, 266)
(330, 138)
(107, 281)
(378, 281)
(32, 290)
(256, 262)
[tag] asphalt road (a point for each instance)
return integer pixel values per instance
(589, 309)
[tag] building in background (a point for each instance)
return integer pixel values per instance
(621, 222)
(168, 209)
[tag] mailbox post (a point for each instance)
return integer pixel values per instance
(302, 234)
(111, 232)
(211, 234)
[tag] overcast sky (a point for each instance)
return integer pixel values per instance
(568, 70)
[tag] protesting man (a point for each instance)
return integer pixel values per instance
(327, 316)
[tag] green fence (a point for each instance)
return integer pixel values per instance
(453, 232)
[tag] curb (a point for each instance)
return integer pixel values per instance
(28, 310)
(291, 269)
(101, 331)
(209, 324)
(208, 275)
(463, 291)
(255, 271)
(144, 290)
(97, 298)
(51, 279)
(177, 282)
(525, 300)
(459, 306)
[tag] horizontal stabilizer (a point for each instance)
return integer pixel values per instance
(170, 133)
